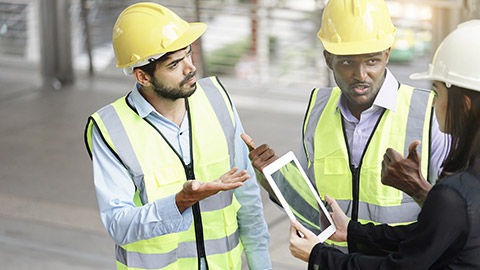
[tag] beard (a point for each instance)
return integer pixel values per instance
(173, 93)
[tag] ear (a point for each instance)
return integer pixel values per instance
(387, 54)
(142, 77)
(328, 59)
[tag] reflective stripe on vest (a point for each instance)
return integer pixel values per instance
(184, 250)
(162, 174)
(377, 203)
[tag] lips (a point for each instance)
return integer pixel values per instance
(189, 79)
(360, 89)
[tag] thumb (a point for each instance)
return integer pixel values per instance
(412, 151)
(297, 226)
(333, 203)
(195, 185)
(248, 141)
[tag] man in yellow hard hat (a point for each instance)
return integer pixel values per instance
(348, 128)
(170, 169)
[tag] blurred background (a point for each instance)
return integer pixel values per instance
(57, 67)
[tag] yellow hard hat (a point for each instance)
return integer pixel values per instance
(144, 32)
(356, 27)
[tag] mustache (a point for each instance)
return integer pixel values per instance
(360, 84)
(188, 77)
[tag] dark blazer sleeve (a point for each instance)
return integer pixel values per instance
(433, 242)
(382, 239)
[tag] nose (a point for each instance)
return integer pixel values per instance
(360, 73)
(189, 66)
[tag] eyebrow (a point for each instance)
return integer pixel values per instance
(368, 55)
(180, 59)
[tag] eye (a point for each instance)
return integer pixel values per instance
(346, 62)
(372, 61)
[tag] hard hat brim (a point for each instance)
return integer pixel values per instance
(475, 86)
(421, 76)
(355, 48)
(191, 35)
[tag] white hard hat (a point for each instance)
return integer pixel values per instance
(457, 59)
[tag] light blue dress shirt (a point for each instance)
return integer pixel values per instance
(127, 223)
(358, 131)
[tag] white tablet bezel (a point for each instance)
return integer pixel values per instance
(275, 166)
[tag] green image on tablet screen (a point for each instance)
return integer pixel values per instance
(300, 198)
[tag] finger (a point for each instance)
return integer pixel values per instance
(194, 185)
(229, 173)
(248, 141)
(295, 230)
(258, 151)
(255, 153)
(229, 186)
(412, 150)
(384, 171)
(392, 155)
(241, 176)
(333, 203)
(266, 156)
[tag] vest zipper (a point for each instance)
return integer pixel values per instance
(355, 191)
(356, 171)
(197, 220)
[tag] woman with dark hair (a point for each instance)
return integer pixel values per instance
(447, 233)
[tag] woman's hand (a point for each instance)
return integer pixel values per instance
(301, 244)
(340, 219)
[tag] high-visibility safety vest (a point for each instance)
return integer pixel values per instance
(359, 191)
(158, 171)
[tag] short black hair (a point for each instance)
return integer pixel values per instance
(150, 67)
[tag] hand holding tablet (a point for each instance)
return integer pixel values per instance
(298, 196)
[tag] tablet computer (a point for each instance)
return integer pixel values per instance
(298, 196)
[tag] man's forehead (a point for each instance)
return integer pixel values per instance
(365, 55)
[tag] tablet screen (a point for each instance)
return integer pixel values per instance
(299, 197)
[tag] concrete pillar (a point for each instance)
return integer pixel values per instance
(55, 43)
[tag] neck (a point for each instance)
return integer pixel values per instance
(357, 110)
(173, 110)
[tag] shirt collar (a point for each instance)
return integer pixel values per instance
(142, 106)
(387, 95)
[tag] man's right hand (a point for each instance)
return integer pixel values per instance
(405, 174)
(260, 156)
(194, 191)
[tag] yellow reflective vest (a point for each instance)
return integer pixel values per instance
(359, 191)
(158, 171)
